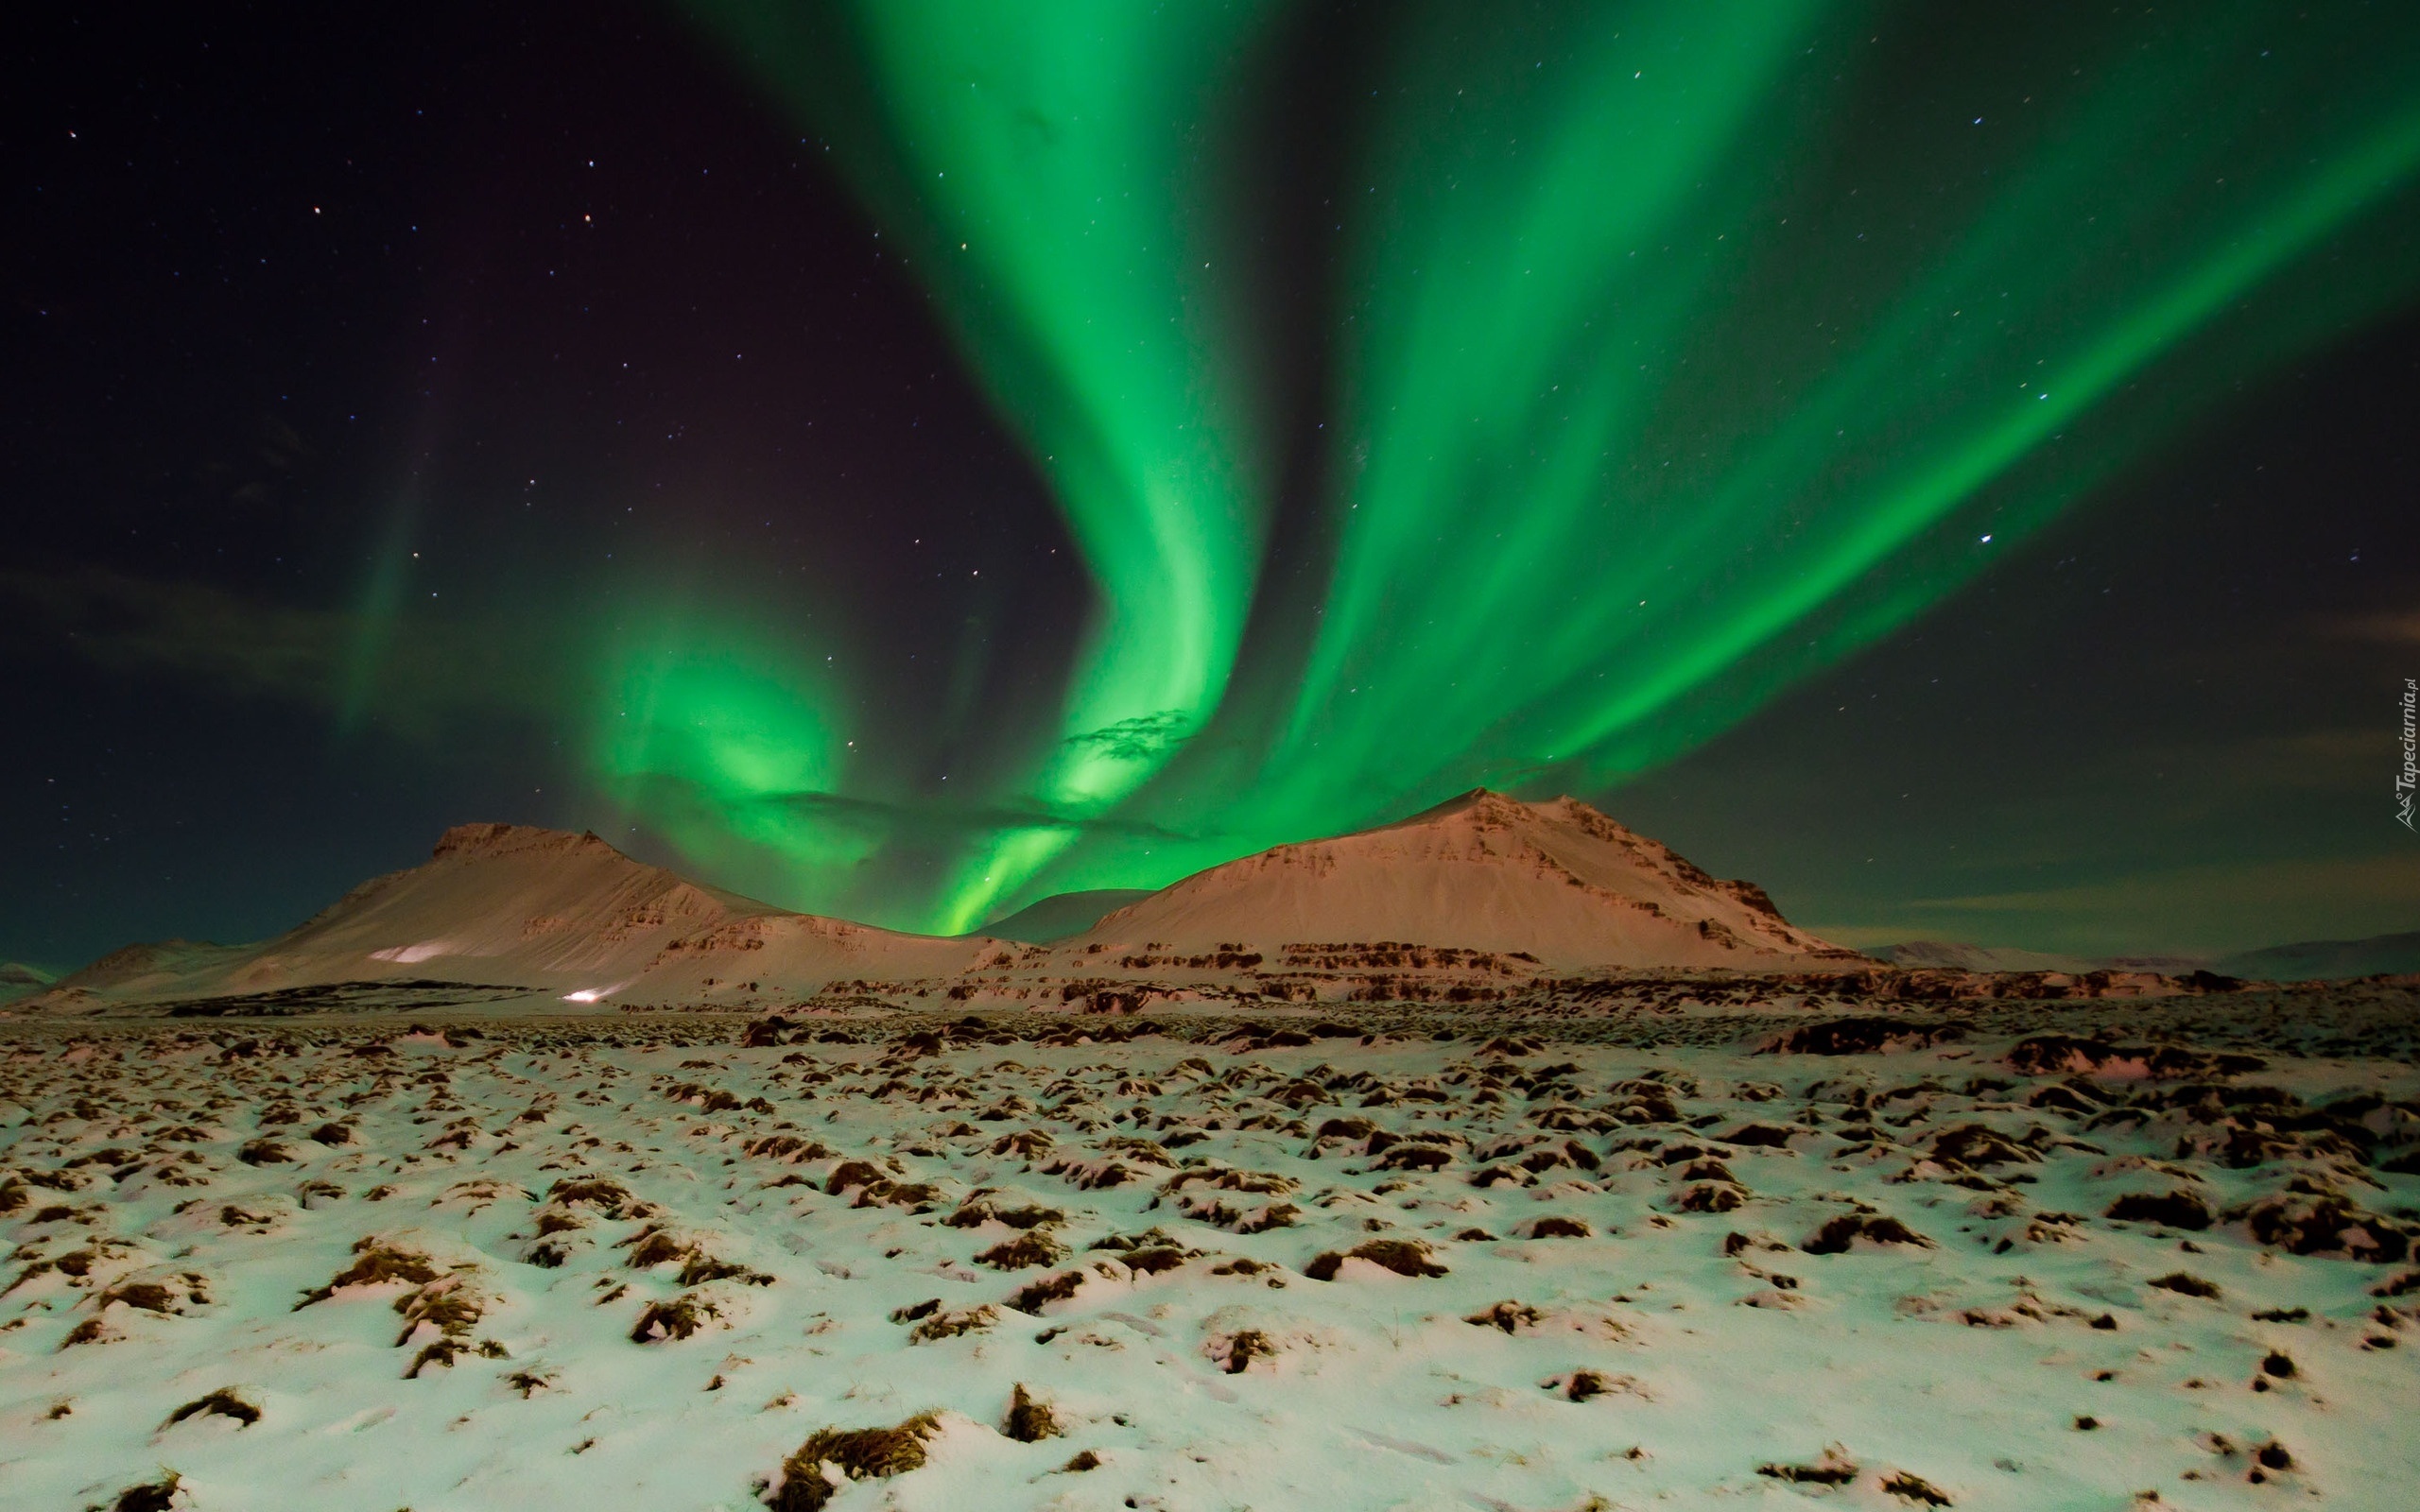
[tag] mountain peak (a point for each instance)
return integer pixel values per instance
(1557, 883)
(1486, 806)
(481, 840)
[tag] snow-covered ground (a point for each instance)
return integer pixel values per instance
(641, 1266)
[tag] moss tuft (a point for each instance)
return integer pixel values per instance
(1405, 1257)
(2173, 1210)
(224, 1402)
(377, 1263)
(1031, 1421)
(858, 1453)
(1024, 1252)
(1909, 1488)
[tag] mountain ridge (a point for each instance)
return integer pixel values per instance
(1559, 881)
(1480, 883)
(523, 907)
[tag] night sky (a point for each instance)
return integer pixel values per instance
(1955, 466)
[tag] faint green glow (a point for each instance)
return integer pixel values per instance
(374, 615)
(725, 739)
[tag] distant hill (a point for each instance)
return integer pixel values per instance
(512, 906)
(17, 979)
(1960, 956)
(2319, 960)
(1061, 915)
(503, 913)
(1558, 882)
(500, 912)
(2316, 960)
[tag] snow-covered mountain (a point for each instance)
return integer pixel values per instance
(549, 911)
(1557, 881)
(515, 910)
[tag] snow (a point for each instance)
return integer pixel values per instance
(1687, 1341)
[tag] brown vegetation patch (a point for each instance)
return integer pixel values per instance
(92, 1330)
(916, 1197)
(1035, 1296)
(1024, 1252)
(698, 1267)
(608, 1197)
(936, 1326)
(975, 1211)
(2058, 1053)
(852, 1174)
(1235, 1352)
(164, 1294)
(2173, 1210)
(377, 1263)
(787, 1147)
(1157, 1259)
(1405, 1257)
(1833, 1469)
(1866, 1036)
(1557, 1227)
(653, 1246)
(1711, 1197)
(2321, 1222)
(152, 1496)
(1584, 1385)
(223, 1402)
(1031, 1420)
(1909, 1488)
(449, 1306)
(678, 1318)
(1509, 1315)
(1266, 1183)
(1979, 1146)
(1239, 1221)
(1839, 1234)
(858, 1453)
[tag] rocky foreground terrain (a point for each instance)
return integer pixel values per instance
(2000, 1254)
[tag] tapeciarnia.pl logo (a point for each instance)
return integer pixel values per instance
(2407, 779)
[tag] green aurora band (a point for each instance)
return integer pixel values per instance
(1664, 519)
(714, 730)
(1670, 365)
(1042, 163)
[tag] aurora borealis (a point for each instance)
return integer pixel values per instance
(907, 459)
(1059, 151)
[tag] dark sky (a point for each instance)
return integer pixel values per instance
(555, 414)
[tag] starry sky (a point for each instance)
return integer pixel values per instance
(1953, 466)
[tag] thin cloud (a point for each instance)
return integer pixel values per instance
(437, 671)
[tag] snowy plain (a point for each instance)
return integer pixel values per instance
(640, 1263)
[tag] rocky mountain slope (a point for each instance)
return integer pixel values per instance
(512, 906)
(1558, 882)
